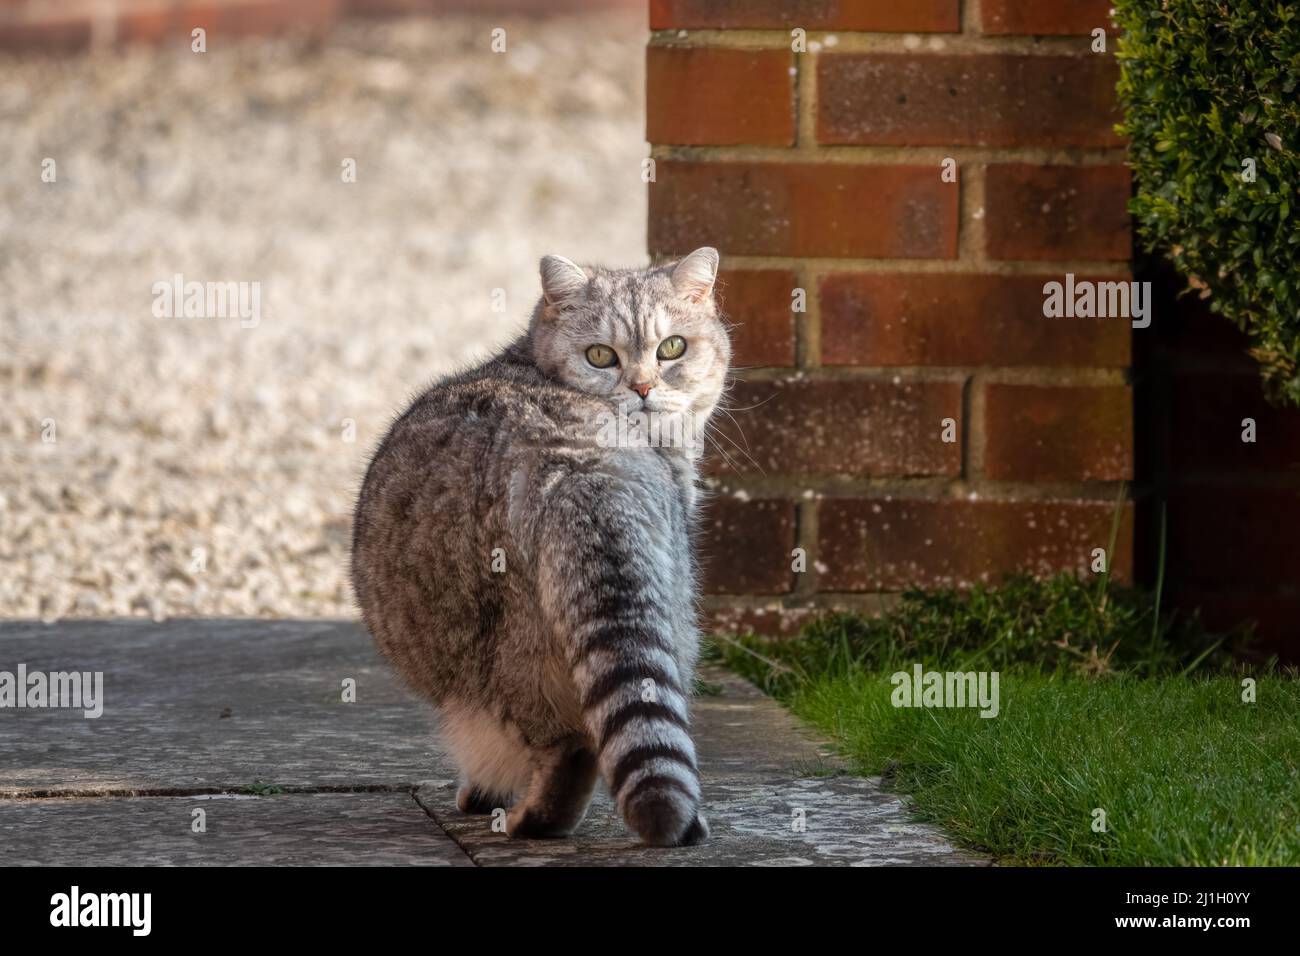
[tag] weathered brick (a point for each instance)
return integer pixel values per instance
(719, 97)
(1206, 411)
(781, 618)
(745, 545)
(891, 543)
(1057, 212)
(1233, 536)
(806, 209)
(958, 319)
(758, 302)
(855, 428)
(882, 16)
(1045, 17)
(1058, 432)
(904, 99)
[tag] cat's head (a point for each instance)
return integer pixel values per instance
(645, 339)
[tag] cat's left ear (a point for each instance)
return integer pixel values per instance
(694, 276)
(563, 281)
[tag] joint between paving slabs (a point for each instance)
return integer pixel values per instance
(429, 812)
(254, 790)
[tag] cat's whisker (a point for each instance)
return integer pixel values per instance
(748, 408)
(730, 462)
(743, 451)
(739, 430)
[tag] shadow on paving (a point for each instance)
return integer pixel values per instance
(245, 721)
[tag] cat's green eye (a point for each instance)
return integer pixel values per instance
(673, 347)
(602, 356)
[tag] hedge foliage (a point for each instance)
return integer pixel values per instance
(1206, 86)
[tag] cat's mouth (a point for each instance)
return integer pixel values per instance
(647, 405)
(628, 404)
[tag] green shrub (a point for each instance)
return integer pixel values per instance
(1207, 85)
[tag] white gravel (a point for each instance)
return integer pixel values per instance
(200, 467)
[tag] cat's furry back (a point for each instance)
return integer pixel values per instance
(537, 583)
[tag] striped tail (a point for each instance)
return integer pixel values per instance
(619, 598)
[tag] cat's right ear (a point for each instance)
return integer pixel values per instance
(562, 280)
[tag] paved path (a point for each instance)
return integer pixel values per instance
(244, 721)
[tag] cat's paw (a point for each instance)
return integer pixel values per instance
(525, 824)
(696, 833)
(475, 802)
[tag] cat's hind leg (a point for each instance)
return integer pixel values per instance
(563, 779)
(494, 762)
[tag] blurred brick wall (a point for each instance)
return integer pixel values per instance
(73, 25)
(821, 171)
(76, 25)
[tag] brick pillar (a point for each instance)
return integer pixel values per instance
(880, 306)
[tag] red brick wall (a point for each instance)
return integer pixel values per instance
(821, 171)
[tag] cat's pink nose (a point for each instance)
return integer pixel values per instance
(642, 388)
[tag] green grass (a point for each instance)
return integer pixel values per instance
(1186, 773)
(1102, 706)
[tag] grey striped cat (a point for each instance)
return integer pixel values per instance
(530, 570)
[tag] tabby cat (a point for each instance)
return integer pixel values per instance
(529, 568)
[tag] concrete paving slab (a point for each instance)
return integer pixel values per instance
(217, 704)
(317, 829)
(239, 706)
(774, 795)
